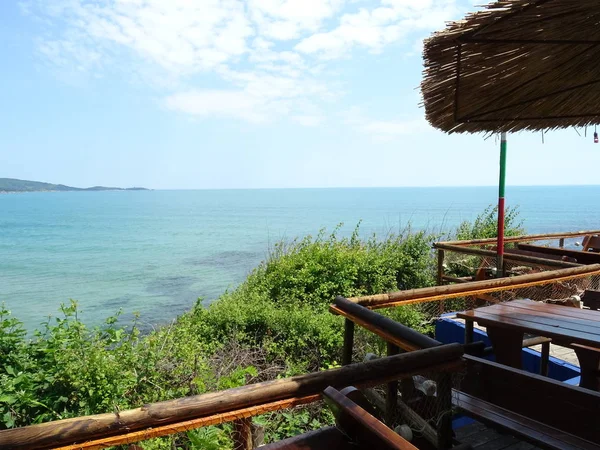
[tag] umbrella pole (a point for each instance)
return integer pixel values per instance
(501, 185)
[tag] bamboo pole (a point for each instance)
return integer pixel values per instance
(501, 210)
(525, 237)
(180, 427)
(509, 256)
(82, 429)
(474, 287)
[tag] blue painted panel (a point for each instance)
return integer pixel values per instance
(448, 331)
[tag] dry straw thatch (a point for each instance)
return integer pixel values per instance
(516, 65)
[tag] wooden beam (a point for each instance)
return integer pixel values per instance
(405, 337)
(581, 257)
(546, 262)
(406, 413)
(82, 429)
(474, 288)
(528, 237)
(539, 398)
(361, 426)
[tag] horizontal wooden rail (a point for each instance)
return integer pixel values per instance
(528, 237)
(507, 256)
(580, 256)
(388, 329)
(474, 288)
(165, 415)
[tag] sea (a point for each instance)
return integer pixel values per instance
(156, 252)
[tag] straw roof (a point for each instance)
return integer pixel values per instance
(516, 65)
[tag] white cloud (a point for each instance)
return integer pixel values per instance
(220, 103)
(264, 59)
(375, 28)
(384, 130)
(308, 121)
(178, 35)
(289, 19)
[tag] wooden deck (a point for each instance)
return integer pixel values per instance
(481, 437)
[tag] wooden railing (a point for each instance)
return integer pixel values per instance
(526, 238)
(400, 338)
(238, 404)
(474, 288)
(477, 247)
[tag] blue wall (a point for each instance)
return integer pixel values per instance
(448, 331)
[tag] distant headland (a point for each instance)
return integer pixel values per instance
(14, 185)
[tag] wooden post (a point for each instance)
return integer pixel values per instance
(469, 331)
(545, 358)
(348, 342)
(444, 403)
(406, 413)
(561, 242)
(391, 398)
(242, 434)
(440, 266)
(440, 278)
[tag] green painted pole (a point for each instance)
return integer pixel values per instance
(501, 189)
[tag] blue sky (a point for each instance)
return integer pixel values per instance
(255, 94)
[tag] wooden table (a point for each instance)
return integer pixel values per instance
(506, 323)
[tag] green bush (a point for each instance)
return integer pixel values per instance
(276, 323)
(485, 225)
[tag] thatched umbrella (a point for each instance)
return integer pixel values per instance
(516, 65)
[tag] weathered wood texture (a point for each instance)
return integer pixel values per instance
(524, 427)
(348, 342)
(391, 397)
(581, 257)
(361, 426)
(186, 425)
(507, 322)
(568, 408)
(406, 413)
(390, 330)
(509, 256)
(591, 299)
(474, 288)
(242, 434)
(592, 244)
(82, 429)
(524, 238)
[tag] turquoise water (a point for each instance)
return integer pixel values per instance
(156, 252)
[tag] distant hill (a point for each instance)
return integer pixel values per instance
(14, 185)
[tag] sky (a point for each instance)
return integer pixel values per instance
(202, 94)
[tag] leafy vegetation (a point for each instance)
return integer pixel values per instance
(485, 226)
(274, 324)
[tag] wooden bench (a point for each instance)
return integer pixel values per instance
(591, 244)
(518, 425)
(591, 299)
(567, 409)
